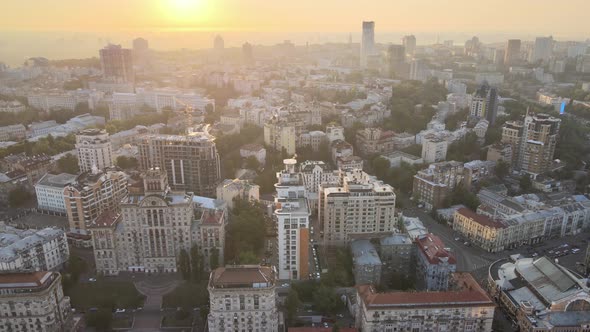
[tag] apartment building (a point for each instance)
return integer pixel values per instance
(435, 264)
(117, 63)
(16, 132)
(292, 216)
(375, 141)
(34, 167)
(434, 149)
(465, 306)
(34, 301)
(91, 194)
(229, 190)
(14, 106)
(533, 142)
(32, 250)
(367, 265)
(341, 149)
(316, 173)
(243, 298)
(94, 149)
(191, 162)
(50, 192)
(435, 183)
(280, 135)
(359, 205)
(209, 234)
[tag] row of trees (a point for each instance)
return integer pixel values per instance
(246, 233)
(48, 145)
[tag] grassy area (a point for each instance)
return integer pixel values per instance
(105, 294)
(177, 319)
(187, 295)
(122, 321)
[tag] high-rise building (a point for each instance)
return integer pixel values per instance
(484, 103)
(292, 217)
(409, 43)
(367, 42)
(191, 162)
(117, 63)
(32, 250)
(50, 192)
(243, 298)
(247, 52)
(359, 205)
(94, 149)
(512, 54)
(140, 45)
(434, 184)
(418, 70)
(91, 194)
(35, 301)
(396, 60)
(218, 43)
(542, 50)
(533, 142)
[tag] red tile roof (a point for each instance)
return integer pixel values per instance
(434, 249)
(467, 292)
(212, 218)
(480, 219)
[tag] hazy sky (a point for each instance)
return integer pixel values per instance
(74, 28)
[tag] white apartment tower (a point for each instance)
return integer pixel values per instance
(359, 205)
(94, 149)
(292, 216)
(368, 42)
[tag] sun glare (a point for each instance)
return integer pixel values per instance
(184, 11)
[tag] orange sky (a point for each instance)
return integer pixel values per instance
(567, 18)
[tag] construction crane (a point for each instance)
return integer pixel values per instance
(188, 113)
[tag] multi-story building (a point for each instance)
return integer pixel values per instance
(341, 149)
(366, 263)
(375, 140)
(94, 149)
(243, 298)
(512, 54)
(434, 149)
(50, 192)
(91, 194)
(496, 235)
(396, 56)
(316, 173)
(409, 43)
(435, 183)
(477, 170)
(34, 301)
(368, 42)
(32, 250)
(334, 132)
(540, 295)
(533, 142)
(15, 132)
(435, 264)
(484, 103)
(359, 205)
(153, 226)
(542, 50)
(34, 167)
(500, 151)
(397, 252)
(292, 216)
(191, 162)
(117, 63)
(14, 106)
(280, 136)
(465, 306)
(229, 190)
(254, 150)
(209, 234)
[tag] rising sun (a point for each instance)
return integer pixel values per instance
(185, 10)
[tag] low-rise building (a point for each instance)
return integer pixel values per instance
(32, 250)
(14, 106)
(341, 149)
(50, 192)
(396, 158)
(375, 141)
(243, 298)
(539, 294)
(254, 150)
(349, 163)
(397, 252)
(477, 170)
(15, 132)
(435, 263)
(500, 151)
(465, 306)
(366, 262)
(34, 301)
(434, 184)
(229, 190)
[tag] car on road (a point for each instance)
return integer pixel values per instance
(457, 239)
(285, 285)
(120, 311)
(466, 244)
(91, 279)
(535, 254)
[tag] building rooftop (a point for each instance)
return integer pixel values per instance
(480, 219)
(243, 276)
(14, 240)
(364, 253)
(212, 217)
(434, 249)
(25, 280)
(106, 219)
(465, 292)
(252, 147)
(395, 239)
(58, 181)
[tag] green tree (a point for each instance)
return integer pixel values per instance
(127, 162)
(101, 319)
(326, 300)
(68, 164)
(248, 257)
(252, 163)
(292, 303)
(197, 267)
(213, 259)
(525, 183)
(184, 265)
(381, 167)
(19, 196)
(502, 169)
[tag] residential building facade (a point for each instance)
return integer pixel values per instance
(94, 149)
(434, 263)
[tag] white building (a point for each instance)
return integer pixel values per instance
(34, 302)
(243, 298)
(254, 150)
(50, 192)
(396, 158)
(359, 205)
(292, 216)
(15, 132)
(11, 106)
(229, 190)
(434, 149)
(280, 135)
(94, 149)
(334, 132)
(314, 174)
(32, 250)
